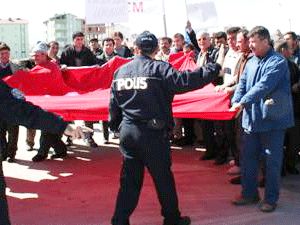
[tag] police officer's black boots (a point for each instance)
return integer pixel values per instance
(184, 220)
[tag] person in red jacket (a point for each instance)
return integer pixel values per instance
(47, 140)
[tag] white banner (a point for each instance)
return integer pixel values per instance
(145, 15)
(144, 7)
(202, 15)
(104, 11)
(139, 15)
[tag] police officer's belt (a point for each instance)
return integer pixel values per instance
(155, 124)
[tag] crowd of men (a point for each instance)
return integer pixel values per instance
(240, 53)
(46, 55)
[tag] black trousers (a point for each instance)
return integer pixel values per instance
(226, 139)
(9, 145)
(209, 136)
(48, 140)
(292, 144)
(4, 217)
(189, 133)
(143, 147)
(238, 139)
(89, 124)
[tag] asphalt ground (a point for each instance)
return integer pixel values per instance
(81, 190)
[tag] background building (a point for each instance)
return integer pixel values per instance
(95, 31)
(101, 31)
(14, 32)
(61, 27)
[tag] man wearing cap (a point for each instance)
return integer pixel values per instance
(48, 140)
(15, 110)
(141, 96)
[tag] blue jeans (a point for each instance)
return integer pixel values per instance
(268, 145)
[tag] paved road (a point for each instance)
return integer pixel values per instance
(81, 190)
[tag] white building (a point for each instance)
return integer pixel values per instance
(14, 32)
(61, 27)
(98, 31)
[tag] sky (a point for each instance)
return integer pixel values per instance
(274, 14)
(38, 11)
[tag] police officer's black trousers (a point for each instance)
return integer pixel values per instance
(143, 147)
(4, 218)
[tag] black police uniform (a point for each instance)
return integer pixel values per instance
(17, 111)
(141, 96)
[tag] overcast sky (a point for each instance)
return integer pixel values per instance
(273, 14)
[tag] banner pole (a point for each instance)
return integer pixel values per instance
(186, 10)
(164, 18)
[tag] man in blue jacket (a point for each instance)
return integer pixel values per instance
(264, 96)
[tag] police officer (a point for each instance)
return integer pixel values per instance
(141, 96)
(14, 110)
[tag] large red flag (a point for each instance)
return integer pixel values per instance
(82, 93)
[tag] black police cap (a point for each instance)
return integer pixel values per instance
(146, 41)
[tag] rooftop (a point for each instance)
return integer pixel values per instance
(13, 21)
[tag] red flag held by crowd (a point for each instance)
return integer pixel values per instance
(82, 93)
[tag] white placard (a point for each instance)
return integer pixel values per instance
(145, 15)
(202, 14)
(104, 11)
